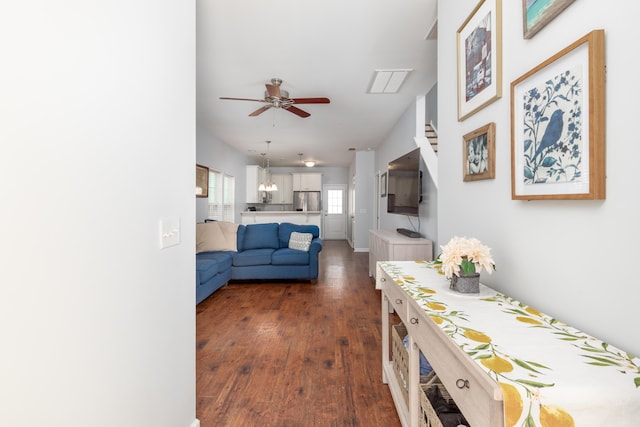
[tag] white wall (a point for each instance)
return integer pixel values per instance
(399, 142)
(574, 260)
(215, 154)
(364, 208)
(97, 144)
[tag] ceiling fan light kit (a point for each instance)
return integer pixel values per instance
(274, 97)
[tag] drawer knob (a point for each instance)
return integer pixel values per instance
(413, 320)
(460, 383)
(398, 301)
(382, 279)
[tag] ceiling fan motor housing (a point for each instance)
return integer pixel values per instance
(283, 101)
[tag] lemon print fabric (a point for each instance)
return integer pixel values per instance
(513, 404)
(528, 320)
(436, 306)
(497, 364)
(437, 319)
(553, 416)
(477, 336)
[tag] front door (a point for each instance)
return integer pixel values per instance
(335, 212)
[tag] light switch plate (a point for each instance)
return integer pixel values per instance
(169, 232)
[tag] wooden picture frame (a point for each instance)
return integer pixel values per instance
(558, 125)
(202, 181)
(537, 14)
(383, 185)
(479, 153)
(479, 45)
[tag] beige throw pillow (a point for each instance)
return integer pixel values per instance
(300, 241)
(216, 236)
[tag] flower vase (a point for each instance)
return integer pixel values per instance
(466, 284)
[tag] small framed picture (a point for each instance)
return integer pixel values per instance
(558, 125)
(479, 153)
(480, 58)
(536, 14)
(202, 181)
(383, 185)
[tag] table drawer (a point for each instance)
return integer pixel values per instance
(476, 394)
(398, 298)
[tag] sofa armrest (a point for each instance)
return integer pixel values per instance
(316, 245)
(314, 249)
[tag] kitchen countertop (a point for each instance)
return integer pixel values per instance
(279, 212)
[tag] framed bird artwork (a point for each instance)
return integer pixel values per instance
(558, 125)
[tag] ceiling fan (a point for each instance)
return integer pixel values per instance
(274, 97)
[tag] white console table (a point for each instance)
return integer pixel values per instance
(389, 245)
(503, 362)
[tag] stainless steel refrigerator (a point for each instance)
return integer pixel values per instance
(307, 201)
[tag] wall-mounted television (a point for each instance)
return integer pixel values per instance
(404, 184)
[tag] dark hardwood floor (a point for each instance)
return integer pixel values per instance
(294, 353)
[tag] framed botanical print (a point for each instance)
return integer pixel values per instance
(480, 58)
(558, 125)
(479, 153)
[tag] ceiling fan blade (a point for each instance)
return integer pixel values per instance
(273, 90)
(260, 110)
(297, 111)
(311, 100)
(243, 99)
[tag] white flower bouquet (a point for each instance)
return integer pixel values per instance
(464, 256)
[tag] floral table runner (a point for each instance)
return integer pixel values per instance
(550, 373)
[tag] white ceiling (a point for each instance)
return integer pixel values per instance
(319, 48)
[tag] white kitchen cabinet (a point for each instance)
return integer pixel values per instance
(255, 175)
(307, 182)
(284, 182)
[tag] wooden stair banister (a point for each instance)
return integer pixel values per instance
(427, 150)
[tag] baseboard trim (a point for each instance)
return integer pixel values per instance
(361, 249)
(195, 423)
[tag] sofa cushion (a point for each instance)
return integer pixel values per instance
(300, 241)
(216, 236)
(286, 228)
(224, 259)
(253, 257)
(240, 236)
(260, 236)
(287, 256)
(206, 268)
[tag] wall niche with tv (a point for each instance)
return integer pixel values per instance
(404, 184)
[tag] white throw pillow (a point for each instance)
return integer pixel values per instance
(300, 241)
(216, 236)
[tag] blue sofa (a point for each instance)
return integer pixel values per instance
(262, 253)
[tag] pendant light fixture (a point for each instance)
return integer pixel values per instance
(267, 184)
(262, 186)
(307, 163)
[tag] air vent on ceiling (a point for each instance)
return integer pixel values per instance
(388, 81)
